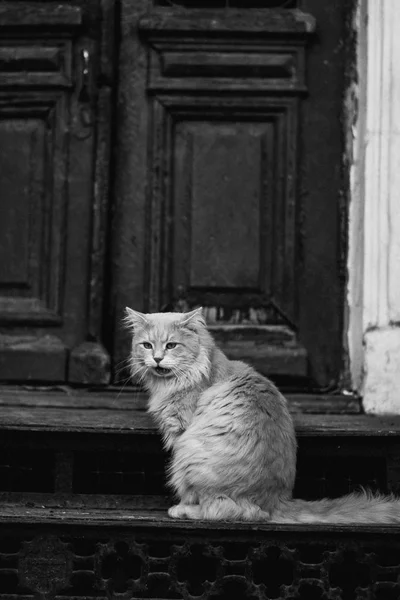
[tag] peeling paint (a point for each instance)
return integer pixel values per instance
(382, 371)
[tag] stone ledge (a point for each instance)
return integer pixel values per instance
(382, 371)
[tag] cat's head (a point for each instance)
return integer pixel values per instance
(169, 347)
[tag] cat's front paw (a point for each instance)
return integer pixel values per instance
(177, 512)
(184, 511)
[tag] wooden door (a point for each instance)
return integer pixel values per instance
(230, 188)
(55, 77)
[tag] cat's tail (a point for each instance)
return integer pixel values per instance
(363, 508)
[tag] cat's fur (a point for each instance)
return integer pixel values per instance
(230, 431)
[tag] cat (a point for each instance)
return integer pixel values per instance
(230, 431)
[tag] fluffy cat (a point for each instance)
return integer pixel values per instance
(230, 431)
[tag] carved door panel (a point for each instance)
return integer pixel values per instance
(228, 196)
(49, 64)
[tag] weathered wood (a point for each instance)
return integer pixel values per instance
(63, 473)
(32, 246)
(120, 468)
(74, 398)
(100, 213)
(105, 118)
(229, 64)
(271, 350)
(334, 404)
(32, 358)
(130, 259)
(39, 14)
(131, 398)
(216, 4)
(264, 22)
(56, 416)
(235, 147)
(25, 63)
(68, 420)
(48, 105)
(232, 160)
(89, 363)
(346, 425)
(194, 61)
(158, 519)
(193, 83)
(218, 99)
(83, 502)
(323, 188)
(238, 148)
(271, 360)
(109, 553)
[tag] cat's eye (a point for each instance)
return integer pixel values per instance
(170, 345)
(147, 345)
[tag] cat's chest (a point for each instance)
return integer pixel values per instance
(173, 414)
(174, 409)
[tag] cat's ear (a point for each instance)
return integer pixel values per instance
(193, 319)
(133, 318)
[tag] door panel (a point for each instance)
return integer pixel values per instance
(48, 97)
(220, 165)
(231, 179)
(33, 207)
(220, 206)
(225, 205)
(230, 202)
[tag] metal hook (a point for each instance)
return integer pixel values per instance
(84, 117)
(84, 94)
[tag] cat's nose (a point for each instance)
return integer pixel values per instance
(158, 359)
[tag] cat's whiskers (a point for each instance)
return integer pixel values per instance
(194, 373)
(122, 366)
(137, 368)
(124, 383)
(126, 363)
